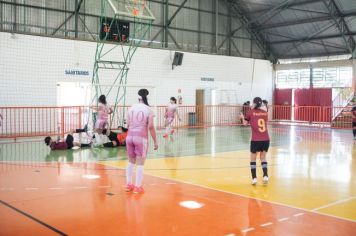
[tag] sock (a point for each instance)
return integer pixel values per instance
(253, 169)
(167, 129)
(264, 168)
(84, 145)
(129, 170)
(109, 144)
(139, 175)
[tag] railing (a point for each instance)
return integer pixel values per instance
(343, 98)
(40, 121)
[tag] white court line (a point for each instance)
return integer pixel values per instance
(31, 189)
(153, 184)
(334, 203)
(299, 214)
(171, 183)
(266, 224)
(247, 230)
(54, 188)
(104, 186)
(80, 187)
(283, 219)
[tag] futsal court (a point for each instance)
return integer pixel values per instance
(80, 192)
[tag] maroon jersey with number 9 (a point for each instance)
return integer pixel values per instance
(258, 120)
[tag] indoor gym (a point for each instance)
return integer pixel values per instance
(212, 56)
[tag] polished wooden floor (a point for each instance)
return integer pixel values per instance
(198, 183)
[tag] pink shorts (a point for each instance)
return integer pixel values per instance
(136, 146)
(100, 124)
(169, 120)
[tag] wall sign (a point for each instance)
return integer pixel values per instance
(209, 79)
(74, 72)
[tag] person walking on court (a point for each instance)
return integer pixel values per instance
(171, 113)
(103, 110)
(140, 121)
(260, 139)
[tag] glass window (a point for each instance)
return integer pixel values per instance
(322, 78)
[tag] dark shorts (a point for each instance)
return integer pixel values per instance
(353, 124)
(113, 137)
(259, 146)
(69, 141)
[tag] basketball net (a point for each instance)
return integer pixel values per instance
(138, 6)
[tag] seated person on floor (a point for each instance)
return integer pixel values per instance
(67, 144)
(116, 138)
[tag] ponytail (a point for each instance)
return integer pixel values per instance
(143, 94)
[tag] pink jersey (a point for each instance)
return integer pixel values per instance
(103, 113)
(171, 110)
(138, 116)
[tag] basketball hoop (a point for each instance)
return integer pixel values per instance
(136, 7)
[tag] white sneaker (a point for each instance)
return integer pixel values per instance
(254, 181)
(265, 179)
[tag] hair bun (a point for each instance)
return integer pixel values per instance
(257, 100)
(143, 92)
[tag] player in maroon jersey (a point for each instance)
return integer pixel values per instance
(258, 118)
(68, 143)
(352, 113)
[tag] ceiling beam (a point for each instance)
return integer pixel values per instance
(318, 54)
(256, 35)
(302, 21)
(341, 24)
(312, 39)
(292, 4)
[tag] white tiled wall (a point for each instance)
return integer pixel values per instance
(31, 67)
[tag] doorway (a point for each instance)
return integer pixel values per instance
(200, 109)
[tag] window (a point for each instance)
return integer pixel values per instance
(322, 78)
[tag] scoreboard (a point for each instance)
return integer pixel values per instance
(114, 30)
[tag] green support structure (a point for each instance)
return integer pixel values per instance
(112, 59)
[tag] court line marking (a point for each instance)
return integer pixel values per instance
(298, 214)
(33, 218)
(249, 197)
(247, 230)
(283, 219)
(31, 189)
(55, 188)
(266, 224)
(80, 187)
(334, 203)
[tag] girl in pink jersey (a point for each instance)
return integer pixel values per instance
(103, 114)
(140, 121)
(171, 112)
